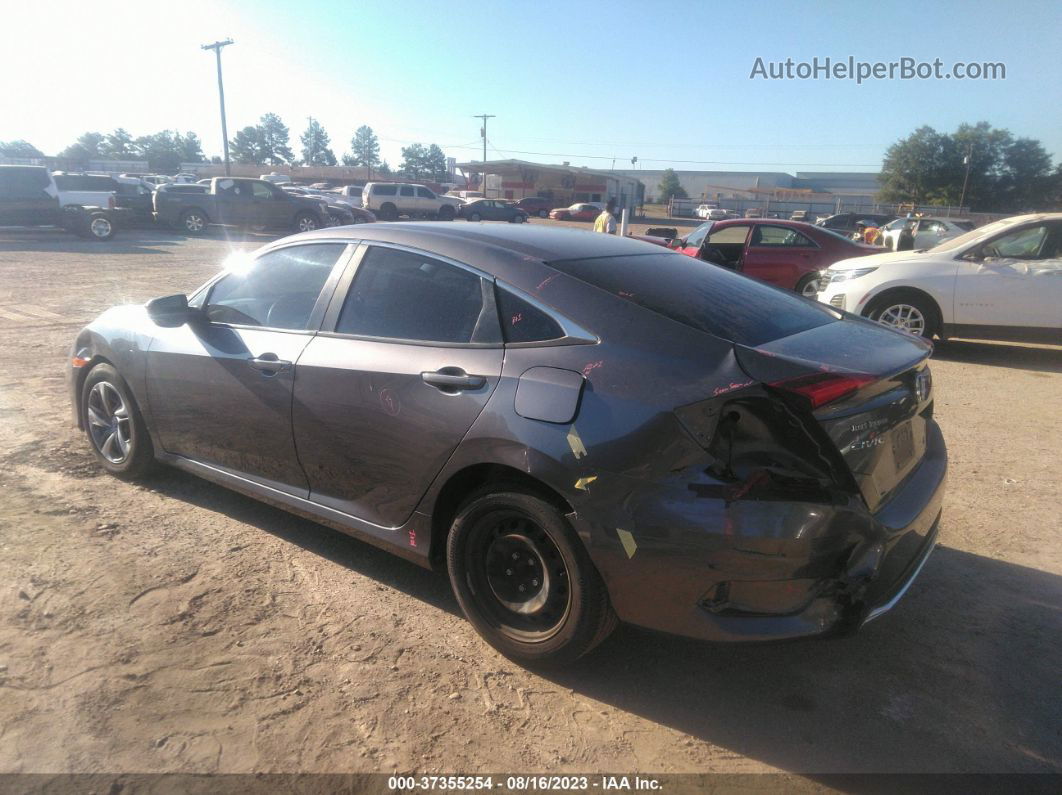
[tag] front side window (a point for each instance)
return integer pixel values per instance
(261, 190)
(408, 296)
(729, 234)
(779, 236)
(407, 190)
(1021, 244)
(697, 236)
(278, 290)
(424, 193)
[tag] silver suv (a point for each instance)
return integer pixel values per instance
(392, 199)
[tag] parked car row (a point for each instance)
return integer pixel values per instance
(30, 197)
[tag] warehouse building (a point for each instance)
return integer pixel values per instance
(562, 184)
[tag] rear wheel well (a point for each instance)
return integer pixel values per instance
(899, 293)
(475, 478)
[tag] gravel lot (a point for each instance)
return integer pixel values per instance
(176, 626)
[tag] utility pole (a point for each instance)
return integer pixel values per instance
(966, 179)
(483, 135)
(216, 47)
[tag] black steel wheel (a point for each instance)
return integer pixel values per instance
(524, 580)
(114, 425)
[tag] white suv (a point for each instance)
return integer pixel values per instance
(392, 199)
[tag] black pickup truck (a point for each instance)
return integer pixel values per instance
(232, 201)
(29, 197)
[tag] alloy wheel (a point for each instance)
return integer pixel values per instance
(194, 223)
(307, 224)
(811, 289)
(109, 421)
(904, 317)
(100, 227)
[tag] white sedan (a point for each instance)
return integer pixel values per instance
(928, 232)
(1001, 281)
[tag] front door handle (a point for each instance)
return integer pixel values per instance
(452, 380)
(269, 364)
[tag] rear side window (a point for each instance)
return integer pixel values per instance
(23, 180)
(279, 290)
(523, 322)
(701, 295)
(406, 296)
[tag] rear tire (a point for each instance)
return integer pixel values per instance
(475, 217)
(524, 579)
(305, 222)
(193, 222)
(809, 286)
(113, 424)
(543, 213)
(388, 212)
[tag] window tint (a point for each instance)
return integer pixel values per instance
(730, 234)
(424, 193)
(403, 295)
(261, 190)
(406, 190)
(523, 322)
(279, 290)
(384, 190)
(701, 295)
(779, 236)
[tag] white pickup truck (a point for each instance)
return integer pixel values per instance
(86, 190)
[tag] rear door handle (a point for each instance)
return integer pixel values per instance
(452, 380)
(269, 364)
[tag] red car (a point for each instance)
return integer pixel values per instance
(577, 212)
(789, 254)
(535, 205)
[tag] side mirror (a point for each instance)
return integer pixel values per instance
(171, 311)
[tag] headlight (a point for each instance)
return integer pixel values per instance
(848, 275)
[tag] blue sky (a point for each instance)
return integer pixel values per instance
(585, 82)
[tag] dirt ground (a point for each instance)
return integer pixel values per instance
(177, 626)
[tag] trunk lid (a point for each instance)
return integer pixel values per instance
(867, 387)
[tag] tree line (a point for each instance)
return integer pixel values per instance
(266, 143)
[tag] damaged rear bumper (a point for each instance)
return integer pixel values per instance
(759, 570)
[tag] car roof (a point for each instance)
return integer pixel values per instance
(482, 243)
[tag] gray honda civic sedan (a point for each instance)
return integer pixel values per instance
(581, 429)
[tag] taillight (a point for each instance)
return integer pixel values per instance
(819, 389)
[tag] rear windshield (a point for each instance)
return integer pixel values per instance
(706, 297)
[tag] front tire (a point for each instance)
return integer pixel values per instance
(909, 312)
(543, 213)
(524, 580)
(113, 424)
(446, 213)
